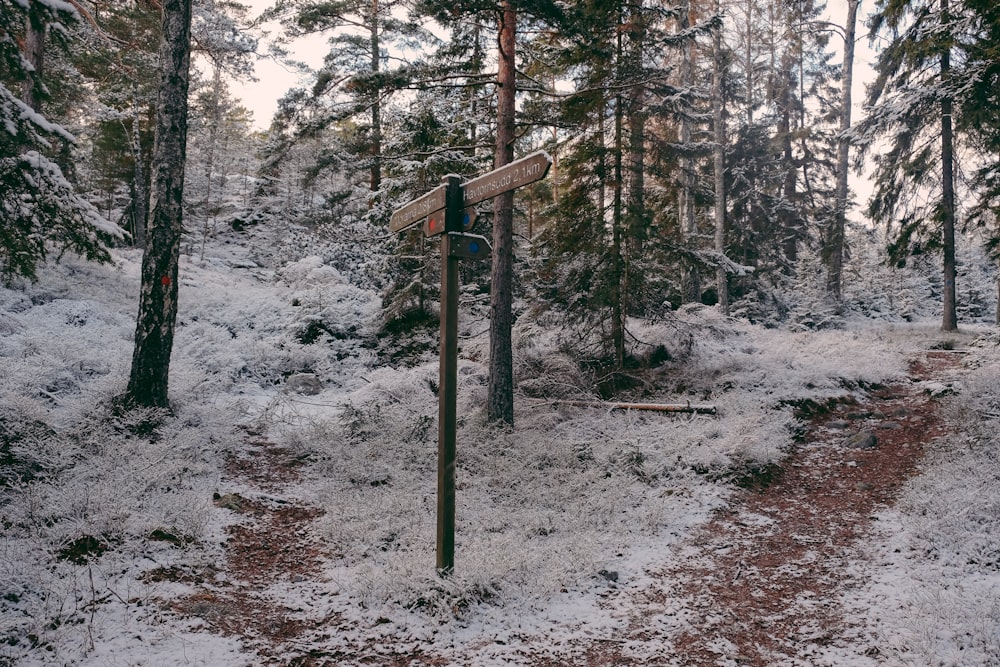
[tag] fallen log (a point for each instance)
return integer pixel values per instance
(695, 408)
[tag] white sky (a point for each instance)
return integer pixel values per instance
(273, 78)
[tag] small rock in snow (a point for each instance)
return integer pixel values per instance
(862, 440)
(304, 383)
(937, 389)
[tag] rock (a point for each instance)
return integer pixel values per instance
(838, 424)
(10, 325)
(610, 575)
(937, 389)
(890, 426)
(862, 440)
(303, 383)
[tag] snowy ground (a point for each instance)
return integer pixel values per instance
(91, 505)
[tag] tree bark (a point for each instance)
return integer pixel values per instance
(376, 138)
(835, 239)
(719, 161)
(157, 317)
(617, 223)
(140, 190)
(34, 53)
(949, 318)
(500, 390)
(685, 193)
(635, 209)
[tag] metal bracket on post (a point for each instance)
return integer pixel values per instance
(448, 381)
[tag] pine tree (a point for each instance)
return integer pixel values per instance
(40, 209)
(978, 116)
(615, 238)
(911, 101)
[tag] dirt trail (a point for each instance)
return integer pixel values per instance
(272, 546)
(758, 584)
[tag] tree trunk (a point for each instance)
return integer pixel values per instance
(835, 239)
(685, 194)
(617, 268)
(500, 390)
(215, 120)
(376, 138)
(34, 53)
(155, 324)
(719, 160)
(949, 319)
(140, 190)
(789, 213)
(635, 221)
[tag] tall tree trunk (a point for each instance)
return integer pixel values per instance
(949, 320)
(617, 264)
(635, 221)
(376, 137)
(789, 213)
(685, 194)
(154, 335)
(215, 120)
(140, 189)
(34, 53)
(748, 63)
(719, 162)
(835, 238)
(500, 390)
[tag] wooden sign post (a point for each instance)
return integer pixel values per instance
(455, 198)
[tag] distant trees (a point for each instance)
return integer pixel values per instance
(978, 117)
(40, 209)
(908, 103)
(701, 148)
(913, 105)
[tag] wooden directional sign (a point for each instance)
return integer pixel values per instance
(418, 209)
(434, 224)
(448, 208)
(468, 246)
(469, 216)
(528, 169)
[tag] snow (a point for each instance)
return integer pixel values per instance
(543, 509)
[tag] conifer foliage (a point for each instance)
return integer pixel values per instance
(40, 209)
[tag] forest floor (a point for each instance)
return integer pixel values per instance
(838, 510)
(756, 585)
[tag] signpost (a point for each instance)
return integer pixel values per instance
(417, 210)
(449, 213)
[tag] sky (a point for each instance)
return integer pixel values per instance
(274, 78)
